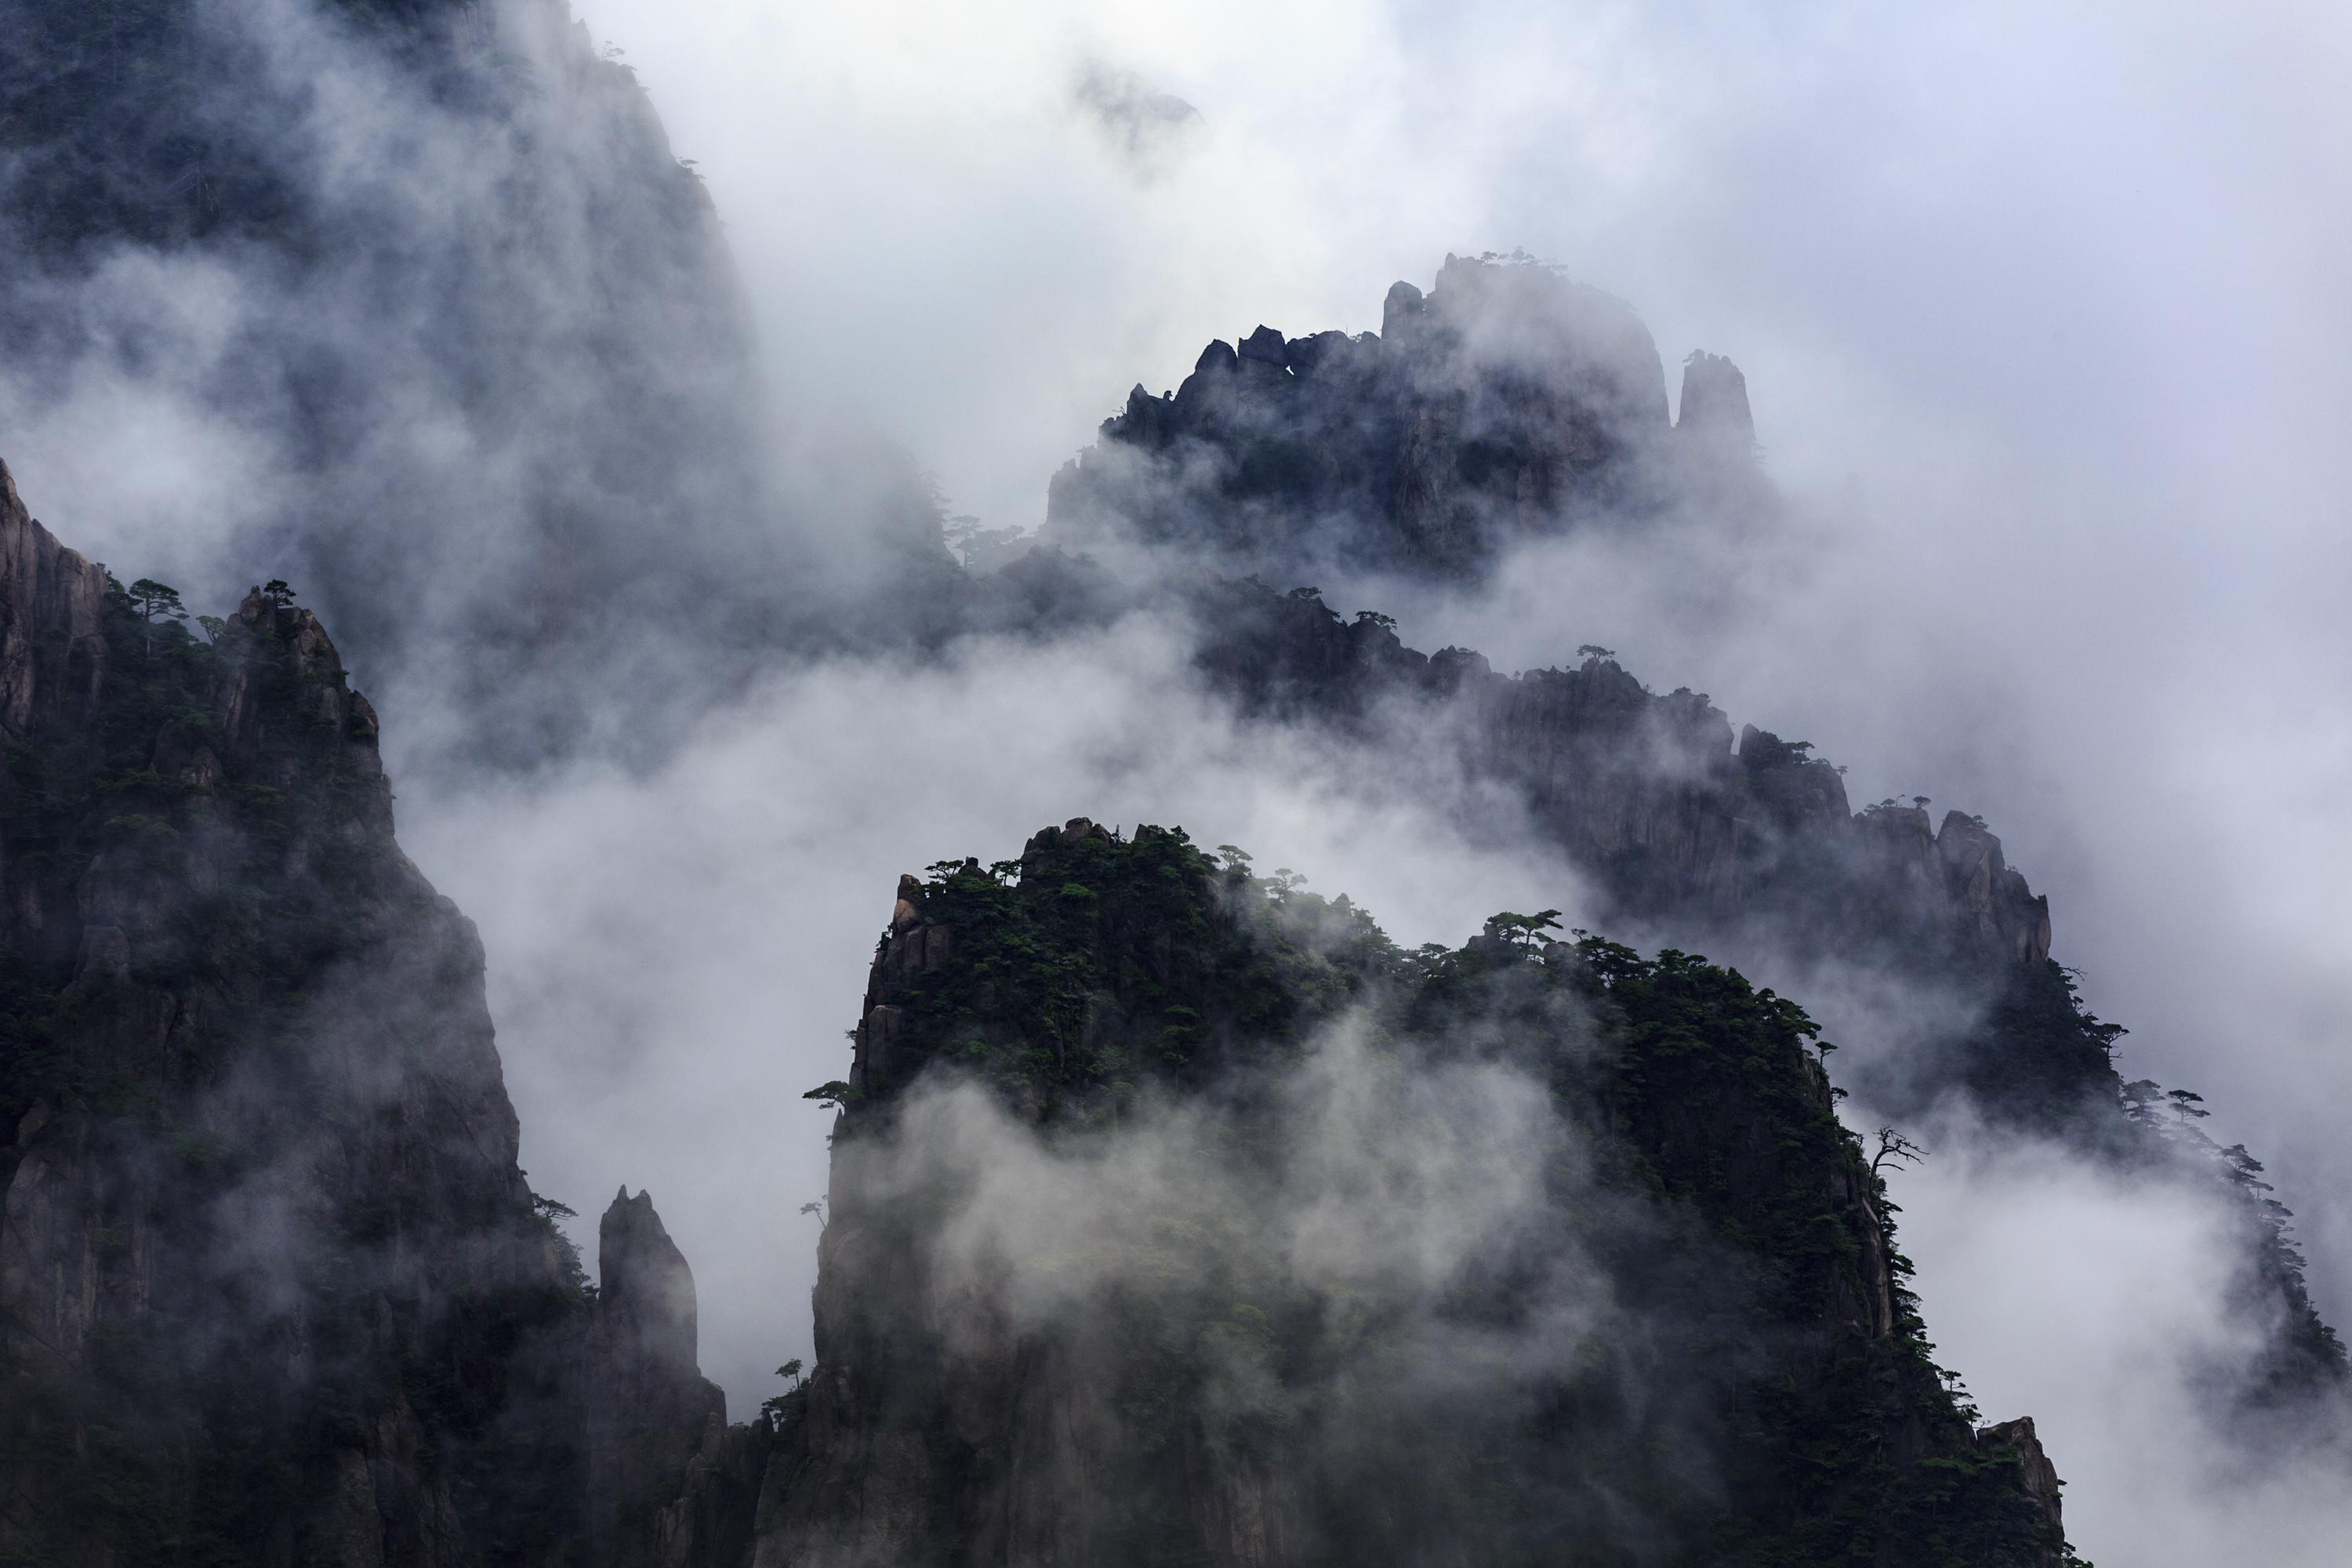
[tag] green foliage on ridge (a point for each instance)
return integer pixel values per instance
(1106, 968)
(1134, 958)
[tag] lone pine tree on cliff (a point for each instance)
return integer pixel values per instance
(156, 601)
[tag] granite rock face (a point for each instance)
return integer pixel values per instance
(2039, 1476)
(272, 1285)
(52, 651)
(1509, 403)
(261, 1203)
(944, 1423)
(710, 1524)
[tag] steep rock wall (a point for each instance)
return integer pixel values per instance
(941, 1424)
(649, 1405)
(272, 1285)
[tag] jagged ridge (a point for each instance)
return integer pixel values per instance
(1509, 403)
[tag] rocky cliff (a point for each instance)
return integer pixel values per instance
(649, 1407)
(272, 1285)
(1675, 820)
(266, 1246)
(1178, 1374)
(1507, 402)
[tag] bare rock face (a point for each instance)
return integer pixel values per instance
(1715, 404)
(652, 1413)
(1500, 405)
(2037, 1475)
(271, 1283)
(2000, 910)
(52, 649)
(710, 1524)
(645, 1304)
(946, 1422)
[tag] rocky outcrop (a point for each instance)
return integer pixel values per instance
(260, 1219)
(2036, 1475)
(1507, 402)
(651, 1414)
(52, 649)
(1715, 404)
(933, 1430)
(272, 1285)
(946, 1422)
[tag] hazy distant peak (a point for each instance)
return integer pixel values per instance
(1715, 400)
(1508, 402)
(1139, 120)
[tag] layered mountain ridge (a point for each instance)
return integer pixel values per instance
(1217, 1392)
(252, 1083)
(1331, 452)
(1176, 1216)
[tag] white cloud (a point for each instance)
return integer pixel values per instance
(675, 956)
(2041, 307)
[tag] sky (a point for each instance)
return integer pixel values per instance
(2041, 309)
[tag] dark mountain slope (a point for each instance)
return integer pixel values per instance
(1007, 1375)
(268, 1258)
(1690, 838)
(272, 1286)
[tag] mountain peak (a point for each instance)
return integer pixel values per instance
(1507, 403)
(645, 1289)
(1715, 401)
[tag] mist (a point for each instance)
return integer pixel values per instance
(676, 956)
(1428, 1220)
(2043, 319)
(2099, 1303)
(2037, 309)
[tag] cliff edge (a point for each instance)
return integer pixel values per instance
(272, 1285)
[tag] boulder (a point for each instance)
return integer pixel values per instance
(1266, 346)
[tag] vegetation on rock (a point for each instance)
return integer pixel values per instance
(1732, 1214)
(249, 1108)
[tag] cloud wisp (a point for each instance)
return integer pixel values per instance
(2040, 309)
